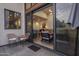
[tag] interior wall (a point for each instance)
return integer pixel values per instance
(49, 21)
(38, 25)
(18, 7)
(41, 14)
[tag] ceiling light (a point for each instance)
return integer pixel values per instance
(50, 10)
(37, 24)
(51, 13)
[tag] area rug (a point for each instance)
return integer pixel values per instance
(34, 48)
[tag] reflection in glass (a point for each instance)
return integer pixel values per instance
(65, 33)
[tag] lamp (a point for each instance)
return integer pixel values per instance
(37, 24)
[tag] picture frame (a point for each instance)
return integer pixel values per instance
(12, 19)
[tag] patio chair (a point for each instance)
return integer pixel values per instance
(24, 37)
(12, 38)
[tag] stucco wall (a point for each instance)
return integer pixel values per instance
(19, 7)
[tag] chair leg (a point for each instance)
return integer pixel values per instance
(20, 42)
(42, 40)
(9, 45)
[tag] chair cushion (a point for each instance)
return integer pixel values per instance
(12, 39)
(22, 38)
(10, 36)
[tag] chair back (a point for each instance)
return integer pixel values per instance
(45, 34)
(11, 36)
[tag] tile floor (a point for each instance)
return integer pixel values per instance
(23, 50)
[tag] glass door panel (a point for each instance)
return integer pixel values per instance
(43, 29)
(65, 34)
(29, 25)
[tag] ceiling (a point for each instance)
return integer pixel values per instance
(38, 18)
(42, 15)
(48, 10)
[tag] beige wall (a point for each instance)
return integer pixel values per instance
(49, 21)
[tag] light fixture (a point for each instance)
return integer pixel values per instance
(37, 24)
(50, 10)
(46, 27)
(51, 13)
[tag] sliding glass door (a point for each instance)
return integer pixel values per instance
(65, 33)
(43, 29)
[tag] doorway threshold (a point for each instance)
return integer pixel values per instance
(44, 44)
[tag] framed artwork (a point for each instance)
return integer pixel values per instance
(12, 19)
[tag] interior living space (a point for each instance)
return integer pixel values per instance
(39, 29)
(43, 27)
